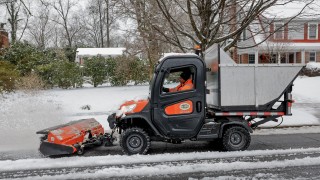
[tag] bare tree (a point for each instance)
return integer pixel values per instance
(40, 28)
(64, 16)
(145, 14)
(210, 21)
(101, 21)
(14, 9)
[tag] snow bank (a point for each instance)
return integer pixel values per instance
(30, 164)
(158, 170)
(172, 164)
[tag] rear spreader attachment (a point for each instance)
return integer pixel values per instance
(73, 137)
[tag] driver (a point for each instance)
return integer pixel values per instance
(185, 83)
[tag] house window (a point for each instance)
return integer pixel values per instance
(312, 57)
(273, 58)
(313, 31)
(278, 28)
(252, 58)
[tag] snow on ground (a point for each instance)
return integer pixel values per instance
(69, 162)
(171, 169)
(164, 164)
(307, 90)
(21, 115)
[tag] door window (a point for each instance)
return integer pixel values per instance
(179, 79)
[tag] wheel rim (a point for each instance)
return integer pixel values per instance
(236, 139)
(134, 143)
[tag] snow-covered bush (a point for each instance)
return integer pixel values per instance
(118, 71)
(26, 57)
(96, 69)
(123, 70)
(312, 69)
(67, 74)
(61, 73)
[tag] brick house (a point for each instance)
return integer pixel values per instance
(280, 38)
(4, 40)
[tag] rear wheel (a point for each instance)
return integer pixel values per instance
(134, 141)
(236, 138)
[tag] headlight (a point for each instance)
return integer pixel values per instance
(128, 109)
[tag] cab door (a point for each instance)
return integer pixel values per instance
(179, 114)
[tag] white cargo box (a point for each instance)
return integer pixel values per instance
(245, 86)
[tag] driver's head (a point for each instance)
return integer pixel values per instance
(184, 77)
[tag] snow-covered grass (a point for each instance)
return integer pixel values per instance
(21, 115)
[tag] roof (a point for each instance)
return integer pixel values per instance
(165, 55)
(89, 52)
(288, 47)
(308, 9)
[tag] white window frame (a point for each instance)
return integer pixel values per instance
(275, 30)
(254, 59)
(317, 25)
(315, 56)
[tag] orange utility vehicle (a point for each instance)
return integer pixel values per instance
(226, 102)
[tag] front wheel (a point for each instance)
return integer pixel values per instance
(236, 138)
(134, 141)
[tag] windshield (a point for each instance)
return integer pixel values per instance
(153, 80)
(152, 84)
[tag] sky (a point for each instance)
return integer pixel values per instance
(2, 14)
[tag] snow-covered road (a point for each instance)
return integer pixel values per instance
(213, 164)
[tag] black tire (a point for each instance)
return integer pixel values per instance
(134, 141)
(80, 150)
(236, 138)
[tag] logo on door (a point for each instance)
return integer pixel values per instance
(184, 106)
